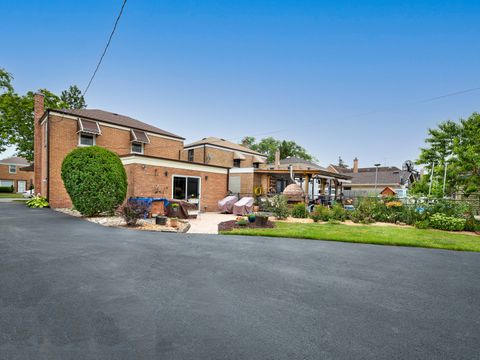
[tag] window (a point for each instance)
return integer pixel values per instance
(7, 183)
(12, 169)
(236, 163)
(347, 188)
(86, 140)
(137, 148)
(191, 155)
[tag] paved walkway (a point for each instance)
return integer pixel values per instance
(207, 223)
(71, 289)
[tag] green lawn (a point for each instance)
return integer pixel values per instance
(10, 195)
(368, 234)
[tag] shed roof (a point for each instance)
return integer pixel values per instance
(15, 160)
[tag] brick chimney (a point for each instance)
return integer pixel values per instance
(277, 158)
(355, 165)
(38, 110)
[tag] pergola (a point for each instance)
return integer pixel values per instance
(308, 177)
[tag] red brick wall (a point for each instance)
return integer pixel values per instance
(150, 181)
(20, 175)
(64, 138)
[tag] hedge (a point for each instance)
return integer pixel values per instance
(6, 189)
(95, 179)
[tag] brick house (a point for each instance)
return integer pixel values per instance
(241, 161)
(15, 171)
(152, 157)
(250, 174)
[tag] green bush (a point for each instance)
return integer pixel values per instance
(422, 224)
(300, 211)
(444, 222)
(338, 213)
(471, 224)
(279, 207)
(37, 202)
(6, 189)
(321, 213)
(95, 179)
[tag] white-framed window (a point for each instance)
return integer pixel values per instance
(6, 183)
(12, 169)
(137, 147)
(86, 139)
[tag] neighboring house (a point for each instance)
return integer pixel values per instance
(372, 180)
(152, 157)
(14, 172)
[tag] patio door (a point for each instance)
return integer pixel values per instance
(187, 188)
(22, 186)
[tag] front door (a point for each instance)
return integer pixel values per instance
(22, 186)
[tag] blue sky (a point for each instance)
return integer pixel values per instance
(308, 69)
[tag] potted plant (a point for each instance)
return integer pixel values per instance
(174, 222)
(242, 222)
(174, 208)
(161, 220)
(256, 205)
(251, 218)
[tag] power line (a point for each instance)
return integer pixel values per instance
(106, 47)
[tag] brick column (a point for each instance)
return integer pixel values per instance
(38, 110)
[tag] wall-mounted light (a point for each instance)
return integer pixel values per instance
(166, 173)
(156, 172)
(144, 166)
(206, 177)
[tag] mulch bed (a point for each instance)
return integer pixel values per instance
(232, 224)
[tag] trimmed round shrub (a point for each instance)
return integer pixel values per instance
(95, 179)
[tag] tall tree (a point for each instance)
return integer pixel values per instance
(440, 154)
(270, 145)
(16, 115)
(73, 98)
(467, 153)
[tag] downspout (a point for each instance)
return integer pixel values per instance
(48, 156)
(205, 154)
(228, 180)
(290, 167)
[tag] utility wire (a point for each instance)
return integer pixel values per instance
(106, 47)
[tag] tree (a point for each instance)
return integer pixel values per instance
(454, 152)
(5, 80)
(16, 114)
(16, 119)
(440, 154)
(269, 146)
(73, 98)
(467, 152)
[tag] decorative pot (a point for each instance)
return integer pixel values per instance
(161, 220)
(261, 220)
(251, 218)
(174, 223)
(256, 208)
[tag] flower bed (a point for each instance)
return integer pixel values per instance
(233, 224)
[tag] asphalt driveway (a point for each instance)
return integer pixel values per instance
(70, 289)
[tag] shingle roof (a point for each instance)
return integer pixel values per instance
(223, 143)
(116, 119)
(392, 176)
(15, 160)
